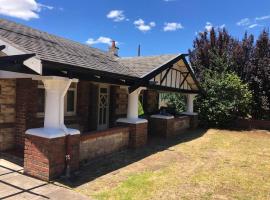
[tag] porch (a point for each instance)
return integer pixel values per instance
(62, 102)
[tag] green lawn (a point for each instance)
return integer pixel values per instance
(216, 165)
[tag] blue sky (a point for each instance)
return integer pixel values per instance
(160, 26)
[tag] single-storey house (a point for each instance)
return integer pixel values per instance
(63, 103)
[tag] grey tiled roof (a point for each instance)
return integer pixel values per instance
(49, 47)
(144, 65)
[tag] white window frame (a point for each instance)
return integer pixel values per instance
(66, 113)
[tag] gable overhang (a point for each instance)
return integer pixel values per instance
(15, 64)
(9, 49)
(51, 68)
(182, 81)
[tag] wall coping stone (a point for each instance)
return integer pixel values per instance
(132, 121)
(102, 133)
(51, 132)
(162, 117)
(189, 113)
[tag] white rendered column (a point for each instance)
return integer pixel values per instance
(133, 106)
(54, 102)
(55, 91)
(190, 99)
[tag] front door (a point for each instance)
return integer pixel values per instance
(103, 107)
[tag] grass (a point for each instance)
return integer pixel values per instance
(220, 164)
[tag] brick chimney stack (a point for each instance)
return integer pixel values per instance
(113, 50)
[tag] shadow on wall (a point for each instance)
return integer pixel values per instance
(115, 161)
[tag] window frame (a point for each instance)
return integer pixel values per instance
(73, 87)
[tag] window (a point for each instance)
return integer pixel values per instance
(70, 100)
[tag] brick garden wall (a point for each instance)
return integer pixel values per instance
(100, 143)
(252, 124)
(44, 162)
(169, 127)
(7, 113)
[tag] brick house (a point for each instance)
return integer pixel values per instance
(85, 100)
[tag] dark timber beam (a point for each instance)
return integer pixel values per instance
(163, 78)
(16, 59)
(15, 63)
(185, 78)
(169, 89)
(2, 47)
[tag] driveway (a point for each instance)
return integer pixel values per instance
(15, 185)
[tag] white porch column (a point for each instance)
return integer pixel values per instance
(190, 99)
(133, 106)
(55, 90)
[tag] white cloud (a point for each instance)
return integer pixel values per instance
(23, 9)
(222, 26)
(262, 18)
(243, 22)
(140, 24)
(253, 25)
(100, 40)
(208, 26)
(116, 15)
(172, 26)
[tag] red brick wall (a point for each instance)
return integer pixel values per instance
(26, 108)
(169, 127)
(83, 107)
(101, 143)
(252, 124)
(138, 134)
(44, 162)
(118, 104)
(151, 100)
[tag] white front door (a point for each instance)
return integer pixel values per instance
(103, 107)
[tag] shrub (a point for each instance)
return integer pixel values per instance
(224, 99)
(175, 102)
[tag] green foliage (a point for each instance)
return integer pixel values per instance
(225, 98)
(175, 101)
(140, 109)
(218, 51)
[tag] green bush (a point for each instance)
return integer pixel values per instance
(224, 99)
(175, 101)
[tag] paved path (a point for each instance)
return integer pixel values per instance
(15, 185)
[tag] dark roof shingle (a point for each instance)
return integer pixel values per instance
(49, 47)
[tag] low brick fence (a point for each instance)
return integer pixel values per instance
(252, 124)
(169, 127)
(100, 143)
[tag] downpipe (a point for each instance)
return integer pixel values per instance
(67, 135)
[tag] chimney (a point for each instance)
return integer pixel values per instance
(113, 50)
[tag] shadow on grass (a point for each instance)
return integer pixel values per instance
(115, 161)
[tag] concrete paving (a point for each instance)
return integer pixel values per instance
(15, 185)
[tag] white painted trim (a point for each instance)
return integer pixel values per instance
(41, 78)
(12, 75)
(162, 117)
(33, 63)
(132, 121)
(51, 132)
